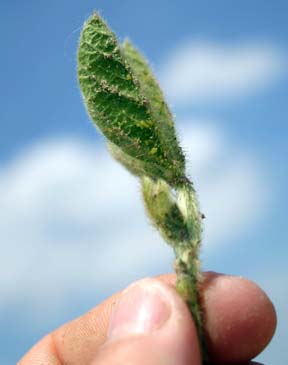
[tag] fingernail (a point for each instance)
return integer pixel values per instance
(141, 309)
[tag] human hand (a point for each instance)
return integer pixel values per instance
(148, 323)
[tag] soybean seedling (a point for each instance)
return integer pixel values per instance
(126, 103)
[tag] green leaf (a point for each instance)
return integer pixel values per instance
(164, 212)
(157, 106)
(119, 107)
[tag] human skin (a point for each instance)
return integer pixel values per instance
(240, 320)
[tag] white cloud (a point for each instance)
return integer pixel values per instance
(229, 181)
(71, 217)
(203, 72)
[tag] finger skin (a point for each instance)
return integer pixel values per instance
(240, 320)
(141, 351)
(173, 341)
(245, 320)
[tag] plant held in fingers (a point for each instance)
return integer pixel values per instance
(126, 103)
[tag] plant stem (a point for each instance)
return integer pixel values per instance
(175, 213)
(187, 264)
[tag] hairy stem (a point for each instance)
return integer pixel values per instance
(175, 213)
(187, 264)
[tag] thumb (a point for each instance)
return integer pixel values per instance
(150, 325)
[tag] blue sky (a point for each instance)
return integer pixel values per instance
(223, 69)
